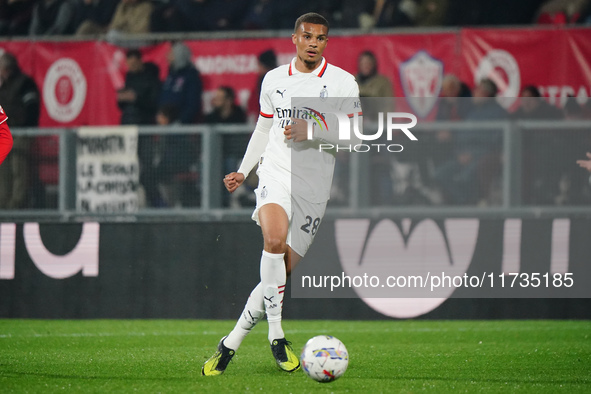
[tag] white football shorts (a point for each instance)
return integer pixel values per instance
(304, 216)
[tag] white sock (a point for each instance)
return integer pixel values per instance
(253, 311)
(273, 278)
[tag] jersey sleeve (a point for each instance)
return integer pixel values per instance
(265, 100)
(351, 103)
(256, 146)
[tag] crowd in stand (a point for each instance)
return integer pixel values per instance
(464, 167)
(166, 160)
(114, 17)
(453, 167)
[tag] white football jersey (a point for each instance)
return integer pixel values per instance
(311, 178)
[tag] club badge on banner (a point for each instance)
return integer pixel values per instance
(107, 169)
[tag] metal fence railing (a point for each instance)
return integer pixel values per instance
(529, 169)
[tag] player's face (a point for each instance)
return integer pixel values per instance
(310, 41)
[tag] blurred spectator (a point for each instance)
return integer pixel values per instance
(561, 12)
(586, 15)
(202, 15)
(15, 17)
(533, 106)
(357, 14)
(579, 190)
(228, 14)
(541, 177)
(225, 109)
(395, 13)
(491, 12)
(138, 100)
(165, 18)
(387, 186)
(93, 16)
(272, 14)
(19, 97)
(573, 111)
(183, 87)
(183, 16)
(454, 103)
(172, 161)
(131, 17)
(266, 62)
(467, 177)
(432, 12)
(586, 164)
(52, 17)
(260, 15)
(485, 106)
(568, 143)
(371, 84)
(438, 147)
(5, 137)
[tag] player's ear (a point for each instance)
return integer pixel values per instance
(293, 38)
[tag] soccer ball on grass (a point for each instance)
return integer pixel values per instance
(324, 358)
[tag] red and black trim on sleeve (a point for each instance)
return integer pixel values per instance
(264, 115)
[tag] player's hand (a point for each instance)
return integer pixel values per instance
(586, 164)
(297, 130)
(233, 180)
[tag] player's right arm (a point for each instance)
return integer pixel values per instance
(256, 145)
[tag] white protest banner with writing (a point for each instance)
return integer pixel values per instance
(107, 169)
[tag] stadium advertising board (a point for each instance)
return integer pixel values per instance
(172, 270)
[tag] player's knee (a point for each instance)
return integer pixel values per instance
(275, 245)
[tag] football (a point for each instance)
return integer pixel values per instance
(324, 358)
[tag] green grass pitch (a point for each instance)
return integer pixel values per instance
(150, 356)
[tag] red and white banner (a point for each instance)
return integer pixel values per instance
(557, 61)
(78, 80)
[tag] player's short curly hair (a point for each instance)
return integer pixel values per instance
(311, 17)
